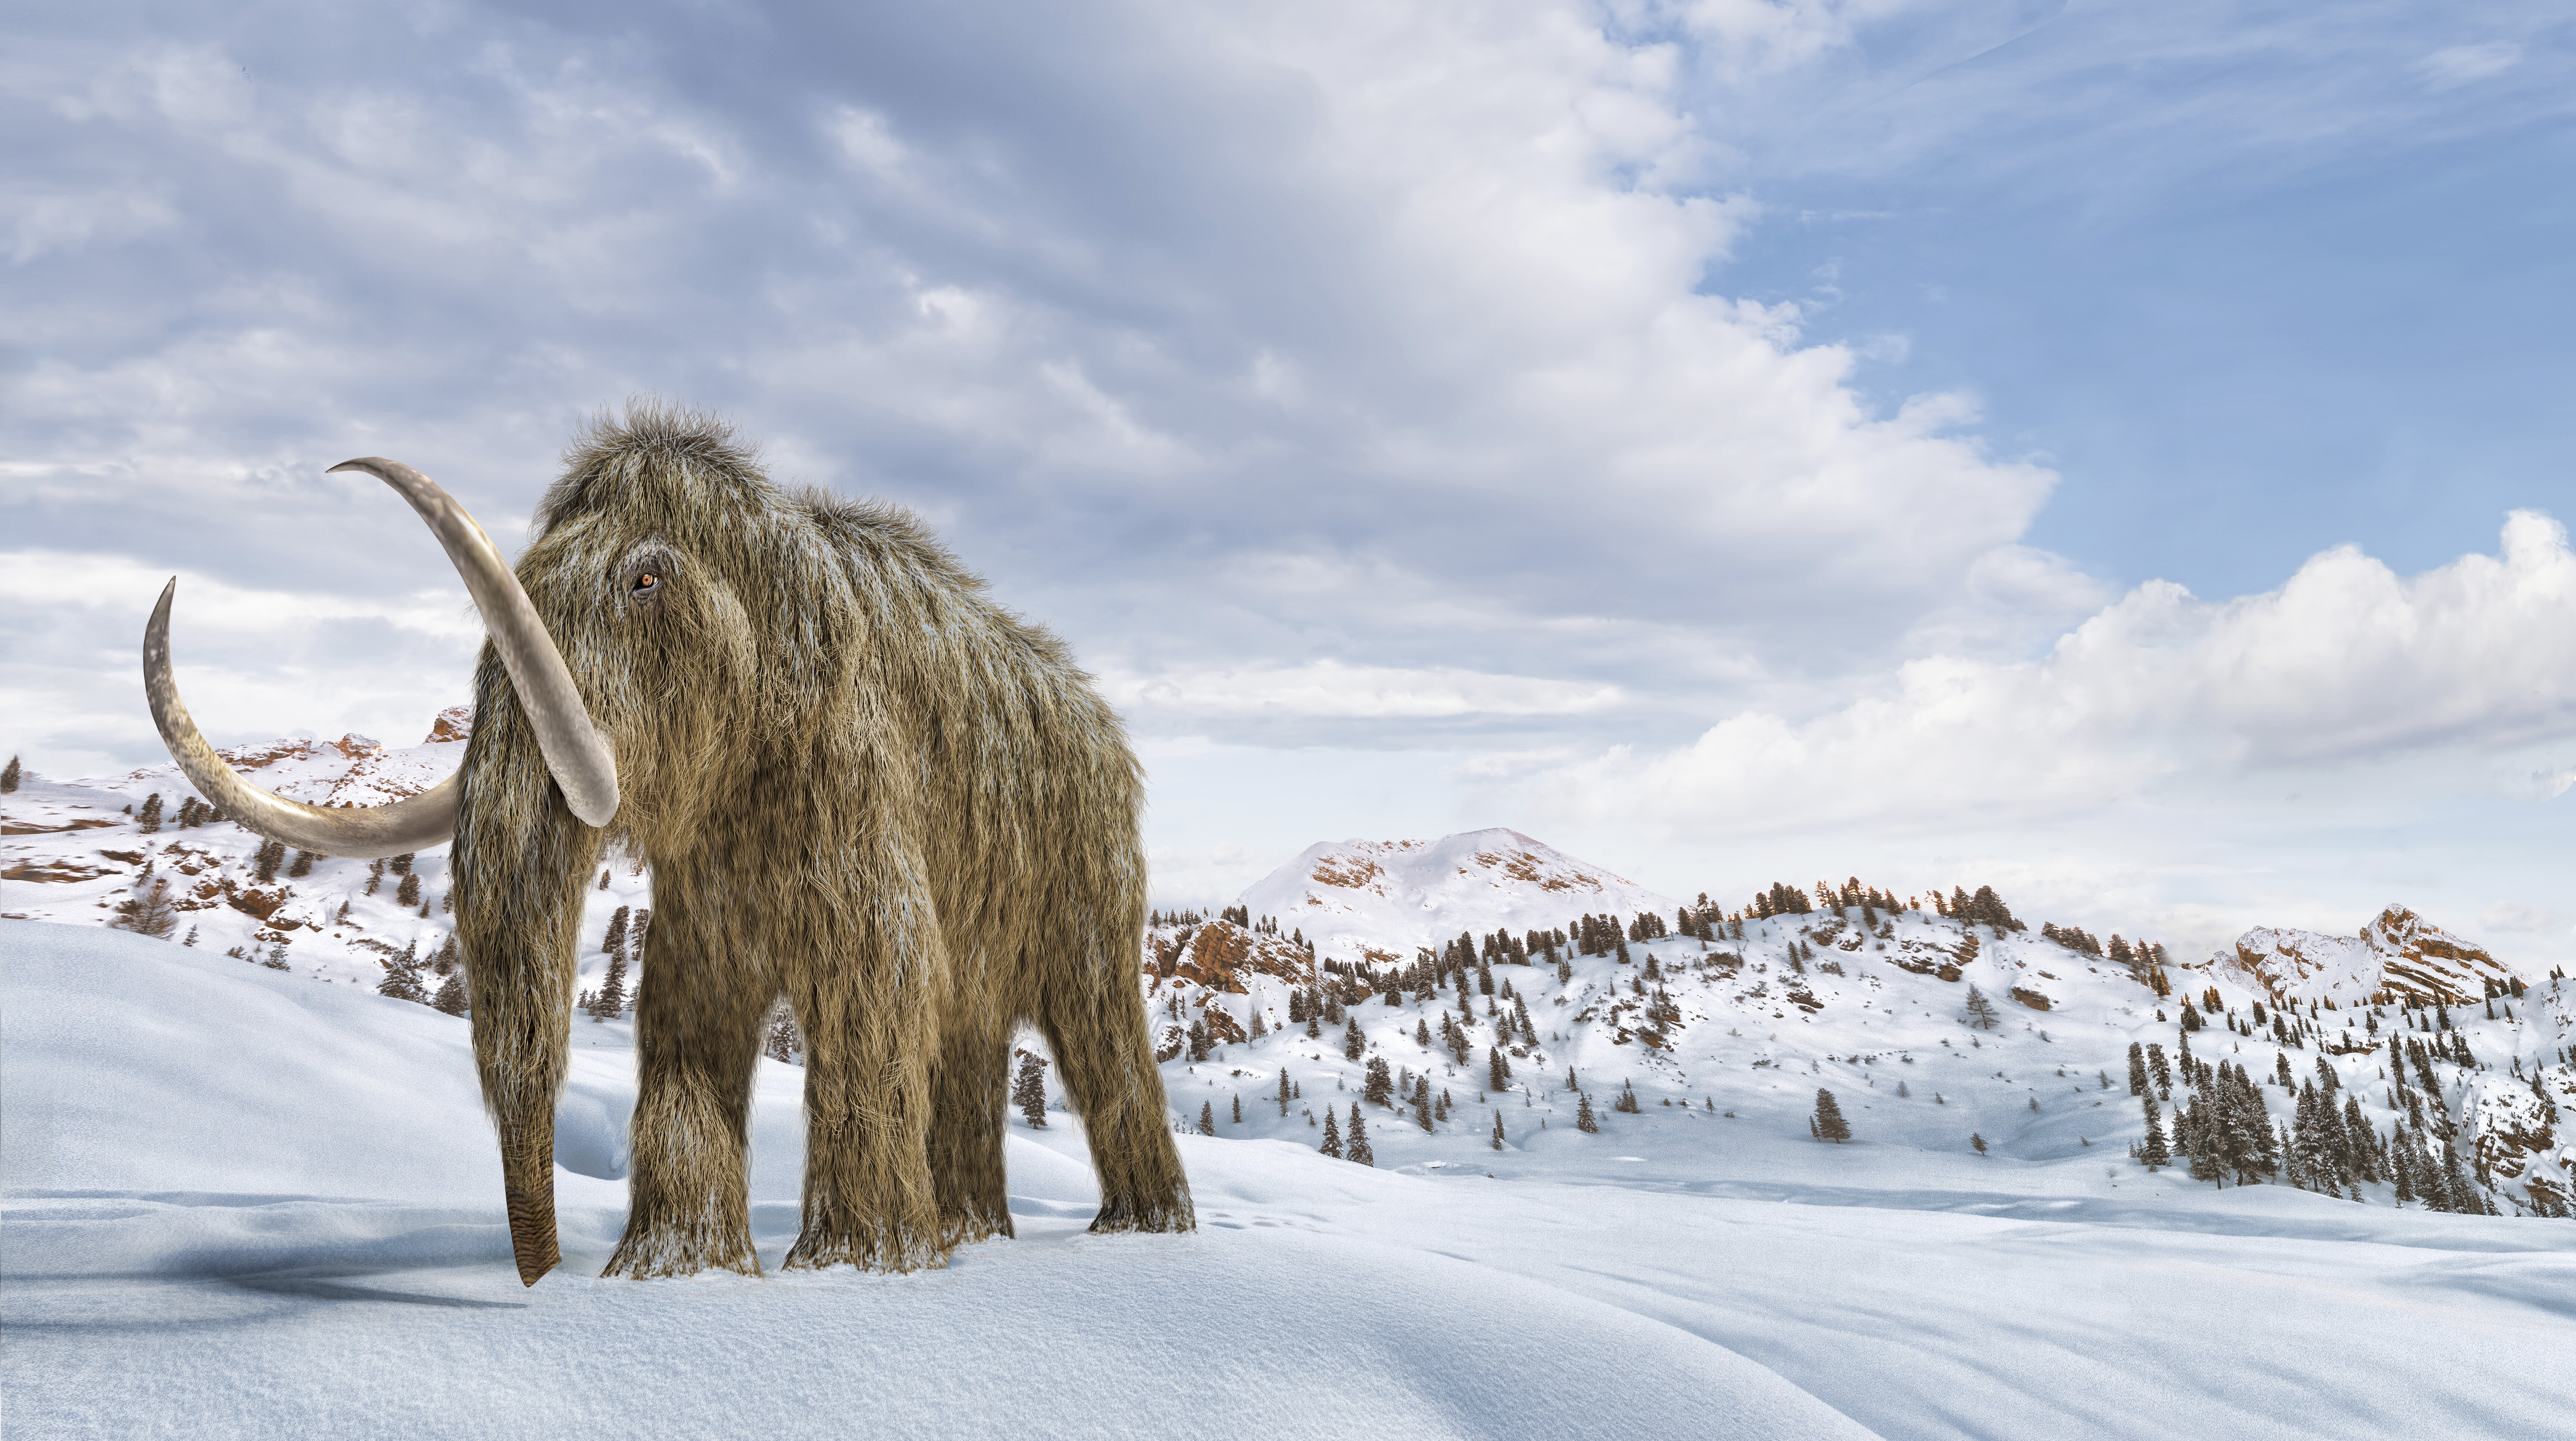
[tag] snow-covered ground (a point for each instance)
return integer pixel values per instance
(244, 1204)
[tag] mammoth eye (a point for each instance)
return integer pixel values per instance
(647, 581)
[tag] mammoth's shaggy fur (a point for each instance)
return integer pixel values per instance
(859, 783)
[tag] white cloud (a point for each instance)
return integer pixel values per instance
(2348, 663)
(1327, 689)
(2523, 919)
(2462, 64)
(252, 662)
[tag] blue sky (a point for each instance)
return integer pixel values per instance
(2116, 453)
(2237, 349)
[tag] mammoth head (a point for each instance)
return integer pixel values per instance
(575, 753)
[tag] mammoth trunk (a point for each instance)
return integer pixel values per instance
(520, 863)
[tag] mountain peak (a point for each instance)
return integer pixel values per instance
(1352, 896)
(2399, 955)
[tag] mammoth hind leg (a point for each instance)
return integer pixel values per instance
(967, 1115)
(698, 1044)
(1095, 1022)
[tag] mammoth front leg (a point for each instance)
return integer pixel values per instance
(870, 1013)
(697, 1043)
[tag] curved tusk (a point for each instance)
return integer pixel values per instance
(424, 820)
(574, 750)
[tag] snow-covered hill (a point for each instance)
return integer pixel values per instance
(74, 851)
(244, 1205)
(1846, 989)
(1876, 1006)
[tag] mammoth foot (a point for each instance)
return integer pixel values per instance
(882, 1247)
(1127, 1213)
(975, 1223)
(651, 1251)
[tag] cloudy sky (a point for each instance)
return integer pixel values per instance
(2120, 453)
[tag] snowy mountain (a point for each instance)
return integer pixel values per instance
(1385, 899)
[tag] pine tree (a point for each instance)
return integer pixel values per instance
(615, 940)
(1981, 1012)
(402, 863)
(402, 976)
(1422, 1102)
(408, 893)
(266, 860)
(1354, 1043)
(1498, 1129)
(1332, 1135)
(1238, 1108)
(1028, 1092)
(9, 777)
(1207, 1118)
(2155, 1153)
(149, 912)
(1830, 1124)
(1200, 1045)
(1380, 1085)
(1498, 1070)
(303, 864)
(375, 874)
(1977, 1141)
(612, 992)
(2137, 1069)
(1359, 1144)
(1584, 1120)
(451, 995)
(148, 820)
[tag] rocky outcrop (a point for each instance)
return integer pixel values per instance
(2398, 958)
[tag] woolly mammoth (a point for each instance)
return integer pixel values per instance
(859, 783)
